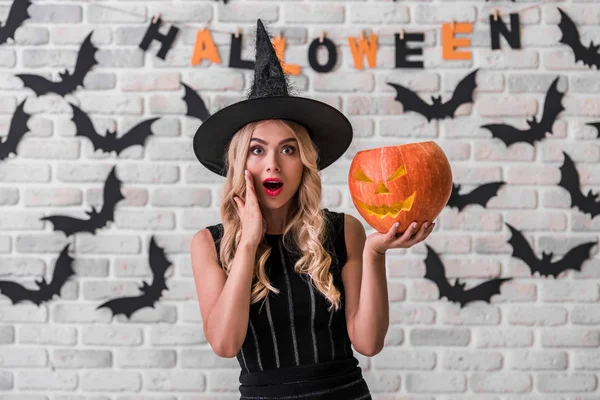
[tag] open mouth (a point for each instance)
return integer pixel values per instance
(273, 187)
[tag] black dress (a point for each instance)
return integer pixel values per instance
(294, 347)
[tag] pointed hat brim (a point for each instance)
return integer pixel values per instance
(329, 129)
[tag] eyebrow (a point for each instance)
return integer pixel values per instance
(282, 142)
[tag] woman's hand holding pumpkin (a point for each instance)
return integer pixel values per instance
(381, 242)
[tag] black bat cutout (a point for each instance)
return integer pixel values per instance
(544, 266)
(480, 195)
(463, 93)
(195, 106)
(109, 142)
(150, 293)
(68, 82)
(435, 271)
(597, 126)
(569, 180)
(570, 37)
(537, 130)
(112, 195)
(16, 16)
(18, 128)
(63, 270)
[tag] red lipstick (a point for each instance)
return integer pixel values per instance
(273, 186)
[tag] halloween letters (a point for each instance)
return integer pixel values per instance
(362, 47)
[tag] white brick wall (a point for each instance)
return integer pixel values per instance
(539, 339)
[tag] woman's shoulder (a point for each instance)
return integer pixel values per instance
(210, 232)
(335, 218)
(216, 231)
(341, 221)
(217, 228)
(204, 236)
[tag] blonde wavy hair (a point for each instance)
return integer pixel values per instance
(305, 223)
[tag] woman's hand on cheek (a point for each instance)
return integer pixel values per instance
(249, 213)
(381, 242)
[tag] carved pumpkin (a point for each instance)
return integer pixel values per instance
(404, 183)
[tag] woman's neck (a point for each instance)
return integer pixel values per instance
(276, 219)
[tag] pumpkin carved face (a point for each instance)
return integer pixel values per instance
(404, 183)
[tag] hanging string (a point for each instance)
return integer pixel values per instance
(154, 17)
(496, 13)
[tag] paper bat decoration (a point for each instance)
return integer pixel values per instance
(112, 195)
(68, 82)
(109, 142)
(456, 293)
(463, 93)
(16, 16)
(597, 126)
(150, 293)
(194, 104)
(569, 180)
(18, 128)
(537, 130)
(572, 260)
(570, 37)
(480, 195)
(63, 270)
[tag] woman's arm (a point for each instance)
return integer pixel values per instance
(365, 286)
(367, 311)
(224, 300)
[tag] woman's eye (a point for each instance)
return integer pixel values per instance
(290, 150)
(255, 149)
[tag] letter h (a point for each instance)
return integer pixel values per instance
(152, 33)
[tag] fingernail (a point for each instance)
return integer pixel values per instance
(426, 224)
(397, 224)
(245, 172)
(414, 225)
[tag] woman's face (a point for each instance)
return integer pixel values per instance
(273, 156)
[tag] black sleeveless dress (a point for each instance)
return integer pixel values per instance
(295, 348)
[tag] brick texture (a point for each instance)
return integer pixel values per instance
(536, 339)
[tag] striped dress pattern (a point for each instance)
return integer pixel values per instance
(295, 348)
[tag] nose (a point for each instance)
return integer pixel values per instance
(273, 164)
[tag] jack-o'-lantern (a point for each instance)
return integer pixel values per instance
(405, 183)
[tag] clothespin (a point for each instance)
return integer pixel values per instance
(322, 37)
(155, 18)
(496, 13)
(401, 33)
(237, 33)
(362, 35)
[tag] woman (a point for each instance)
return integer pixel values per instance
(285, 286)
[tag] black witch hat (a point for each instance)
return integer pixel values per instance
(270, 98)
